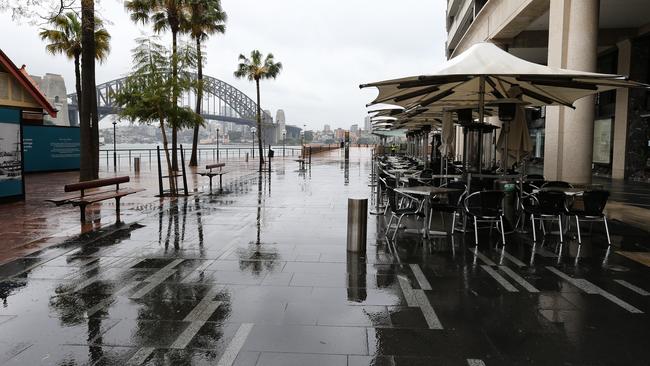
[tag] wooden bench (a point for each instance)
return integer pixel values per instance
(301, 163)
(83, 198)
(210, 173)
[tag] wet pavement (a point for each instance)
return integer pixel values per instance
(259, 275)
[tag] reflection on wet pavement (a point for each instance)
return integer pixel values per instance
(259, 275)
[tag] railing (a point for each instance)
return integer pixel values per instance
(204, 154)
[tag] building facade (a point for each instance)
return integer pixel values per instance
(609, 132)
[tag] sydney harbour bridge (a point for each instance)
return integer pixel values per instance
(221, 102)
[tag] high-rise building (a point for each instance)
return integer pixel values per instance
(281, 123)
(327, 128)
(354, 129)
(367, 124)
(608, 131)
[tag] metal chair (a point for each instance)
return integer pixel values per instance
(414, 208)
(557, 184)
(487, 209)
(546, 205)
(594, 204)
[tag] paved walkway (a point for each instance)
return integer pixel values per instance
(260, 276)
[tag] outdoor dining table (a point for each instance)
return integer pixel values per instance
(565, 190)
(427, 192)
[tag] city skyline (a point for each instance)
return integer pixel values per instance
(329, 95)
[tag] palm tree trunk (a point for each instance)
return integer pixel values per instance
(175, 98)
(259, 126)
(88, 170)
(199, 97)
(172, 180)
(77, 83)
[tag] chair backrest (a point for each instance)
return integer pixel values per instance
(551, 202)
(392, 198)
(455, 198)
(426, 173)
(414, 182)
(557, 184)
(595, 202)
(491, 200)
(484, 203)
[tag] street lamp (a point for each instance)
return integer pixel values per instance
(217, 144)
(253, 130)
(114, 149)
(284, 139)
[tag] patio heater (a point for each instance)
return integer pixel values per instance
(253, 130)
(114, 149)
(507, 110)
(218, 145)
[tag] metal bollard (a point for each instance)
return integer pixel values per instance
(136, 165)
(247, 157)
(357, 225)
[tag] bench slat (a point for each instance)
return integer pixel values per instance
(61, 200)
(105, 196)
(95, 183)
(217, 165)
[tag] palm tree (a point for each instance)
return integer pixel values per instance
(163, 15)
(256, 69)
(206, 18)
(65, 37)
(146, 94)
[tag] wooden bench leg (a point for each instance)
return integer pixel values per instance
(210, 183)
(83, 213)
(117, 209)
(220, 183)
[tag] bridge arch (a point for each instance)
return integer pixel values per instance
(221, 101)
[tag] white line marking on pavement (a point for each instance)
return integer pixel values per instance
(475, 362)
(154, 280)
(520, 280)
(104, 303)
(513, 259)
(140, 356)
(592, 289)
(198, 269)
(419, 275)
(201, 318)
(427, 310)
(502, 281)
(632, 287)
(231, 352)
(407, 290)
(482, 257)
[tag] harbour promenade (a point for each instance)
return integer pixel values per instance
(259, 275)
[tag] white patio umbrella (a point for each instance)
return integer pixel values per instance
(484, 73)
(448, 135)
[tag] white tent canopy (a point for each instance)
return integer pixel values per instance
(459, 81)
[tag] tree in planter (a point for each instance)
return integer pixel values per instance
(256, 69)
(164, 15)
(65, 38)
(147, 95)
(205, 18)
(88, 119)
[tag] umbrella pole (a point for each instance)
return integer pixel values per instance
(481, 119)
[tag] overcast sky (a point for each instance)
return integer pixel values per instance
(327, 48)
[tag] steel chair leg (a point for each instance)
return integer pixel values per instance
(609, 241)
(475, 232)
(578, 229)
(399, 221)
(559, 222)
(390, 222)
(503, 231)
(532, 221)
(453, 223)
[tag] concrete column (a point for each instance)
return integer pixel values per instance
(573, 39)
(620, 114)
